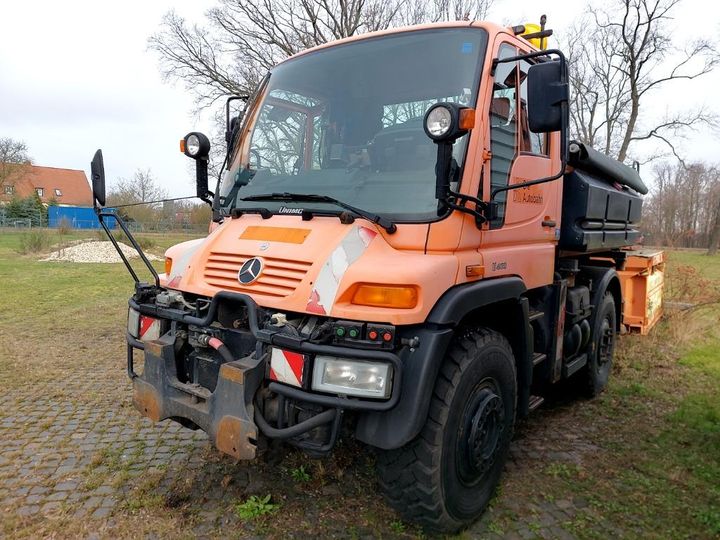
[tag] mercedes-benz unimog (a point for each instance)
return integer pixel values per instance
(406, 248)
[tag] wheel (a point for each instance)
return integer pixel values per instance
(445, 477)
(601, 348)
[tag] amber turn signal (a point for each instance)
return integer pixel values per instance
(389, 296)
(467, 119)
(182, 145)
(168, 265)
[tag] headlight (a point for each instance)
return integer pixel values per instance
(193, 145)
(352, 377)
(438, 121)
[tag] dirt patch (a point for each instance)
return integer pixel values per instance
(95, 252)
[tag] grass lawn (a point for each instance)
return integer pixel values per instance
(650, 468)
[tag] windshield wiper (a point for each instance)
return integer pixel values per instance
(385, 223)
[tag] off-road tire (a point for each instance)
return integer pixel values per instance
(601, 348)
(438, 480)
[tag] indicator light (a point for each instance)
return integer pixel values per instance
(387, 296)
(372, 334)
(387, 336)
(340, 331)
(353, 333)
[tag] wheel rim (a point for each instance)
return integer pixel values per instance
(605, 345)
(479, 439)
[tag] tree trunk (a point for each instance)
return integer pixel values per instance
(714, 235)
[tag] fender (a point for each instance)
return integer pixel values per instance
(604, 279)
(458, 302)
(398, 426)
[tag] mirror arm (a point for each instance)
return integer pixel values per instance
(527, 56)
(201, 177)
(442, 169)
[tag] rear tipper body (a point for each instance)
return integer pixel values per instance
(406, 249)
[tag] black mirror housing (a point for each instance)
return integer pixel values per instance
(547, 92)
(97, 172)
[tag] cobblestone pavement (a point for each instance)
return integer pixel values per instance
(76, 460)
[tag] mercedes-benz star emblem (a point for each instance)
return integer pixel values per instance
(250, 271)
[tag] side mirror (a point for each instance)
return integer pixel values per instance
(231, 134)
(547, 92)
(97, 172)
(195, 145)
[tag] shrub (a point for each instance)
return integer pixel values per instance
(35, 241)
(64, 227)
(300, 474)
(28, 208)
(255, 507)
(145, 242)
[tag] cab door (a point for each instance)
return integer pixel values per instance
(521, 239)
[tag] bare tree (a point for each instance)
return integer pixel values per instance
(142, 187)
(14, 161)
(242, 40)
(683, 208)
(713, 206)
(620, 54)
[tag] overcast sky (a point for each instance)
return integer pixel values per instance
(76, 76)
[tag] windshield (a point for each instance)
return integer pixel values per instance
(347, 122)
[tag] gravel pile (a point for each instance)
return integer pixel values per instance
(95, 252)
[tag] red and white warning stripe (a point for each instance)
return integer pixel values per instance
(322, 296)
(149, 328)
(287, 366)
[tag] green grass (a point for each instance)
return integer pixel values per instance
(653, 471)
(709, 267)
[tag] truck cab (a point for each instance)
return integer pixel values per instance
(406, 249)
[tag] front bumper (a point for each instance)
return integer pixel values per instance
(229, 414)
(226, 414)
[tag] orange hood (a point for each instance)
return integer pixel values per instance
(310, 267)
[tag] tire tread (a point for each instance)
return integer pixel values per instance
(409, 476)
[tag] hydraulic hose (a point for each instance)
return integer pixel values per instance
(221, 348)
(298, 429)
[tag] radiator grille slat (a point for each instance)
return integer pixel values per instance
(279, 278)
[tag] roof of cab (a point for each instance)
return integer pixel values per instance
(491, 28)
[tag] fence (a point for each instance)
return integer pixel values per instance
(29, 219)
(75, 217)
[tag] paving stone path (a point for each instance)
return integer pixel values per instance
(77, 447)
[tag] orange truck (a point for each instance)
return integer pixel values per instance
(406, 248)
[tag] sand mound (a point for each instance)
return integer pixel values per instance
(95, 252)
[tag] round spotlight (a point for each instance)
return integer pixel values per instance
(438, 121)
(197, 145)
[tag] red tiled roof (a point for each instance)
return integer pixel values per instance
(64, 186)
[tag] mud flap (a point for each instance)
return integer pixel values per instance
(226, 414)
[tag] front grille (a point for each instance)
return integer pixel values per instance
(279, 277)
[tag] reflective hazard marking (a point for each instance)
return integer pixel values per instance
(322, 296)
(149, 328)
(287, 367)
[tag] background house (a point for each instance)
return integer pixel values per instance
(65, 187)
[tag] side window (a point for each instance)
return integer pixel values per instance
(503, 128)
(535, 143)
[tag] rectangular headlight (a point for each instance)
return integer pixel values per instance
(352, 377)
